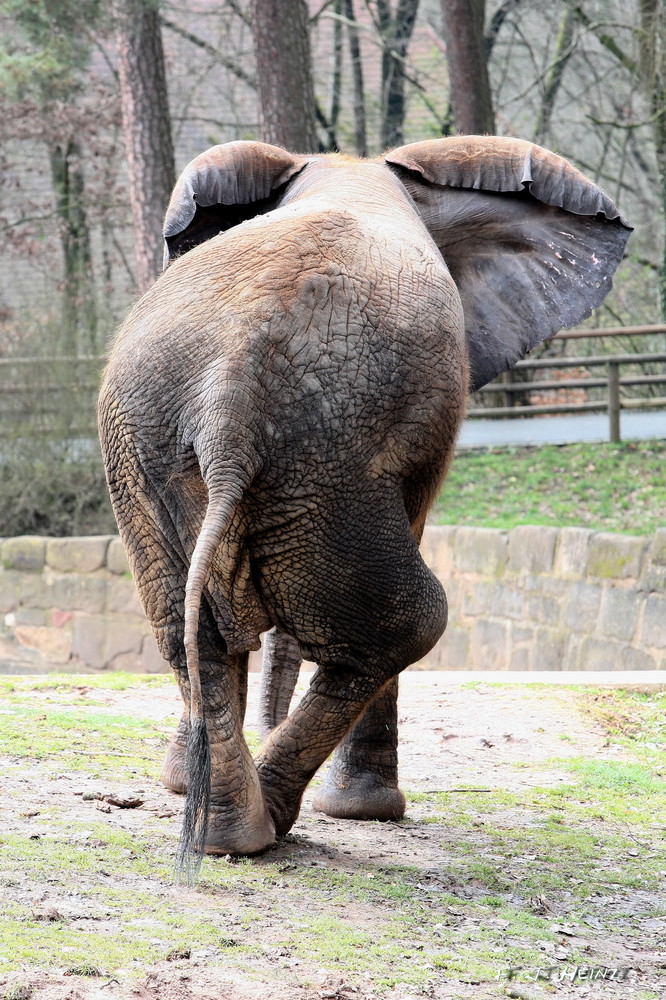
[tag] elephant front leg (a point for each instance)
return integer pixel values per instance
(362, 781)
(300, 745)
(279, 673)
(174, 770)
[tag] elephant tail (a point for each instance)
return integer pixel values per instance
(222, 506)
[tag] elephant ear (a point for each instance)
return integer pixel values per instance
(225, 186)
(531, 243)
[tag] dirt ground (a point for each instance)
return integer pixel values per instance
(453, 739)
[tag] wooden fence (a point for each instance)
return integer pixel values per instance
(50, 397)
(56, 396)
(610, 378)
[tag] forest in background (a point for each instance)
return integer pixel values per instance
(101, 105)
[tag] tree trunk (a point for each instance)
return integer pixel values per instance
(360, 136)
(468, 69)
(284, 74)
(563, 50)
(148, 144)
(336, 85)
(652, 69)
(396, 34)
(79, 307)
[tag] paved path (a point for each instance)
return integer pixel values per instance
(560, 430)
(650, 679)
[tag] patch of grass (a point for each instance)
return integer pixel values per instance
(637, 719)
(466, 915)
(625, 777)
(18, 992)
(610, 487)
(25, 942)
(85, 969)
(112, 681)
(82, 739)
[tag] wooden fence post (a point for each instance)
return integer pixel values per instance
(614, 401)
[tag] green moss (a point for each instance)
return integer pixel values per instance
(112, 681)
(83, 740)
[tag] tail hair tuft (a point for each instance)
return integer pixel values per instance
(195, 817)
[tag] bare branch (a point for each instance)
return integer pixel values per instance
(201, 43)
(564, 48)
(496, 23)
(324, 6)
(606, 40)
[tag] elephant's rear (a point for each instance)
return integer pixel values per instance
(324, 383)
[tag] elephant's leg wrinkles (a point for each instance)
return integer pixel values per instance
(279, 673)
(239, 822)
(299, 746)
(362, 781)
(360, 642)
(174, 769)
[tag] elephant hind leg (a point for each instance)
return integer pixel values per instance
(239, 822)
(362, 781)
(336, 698)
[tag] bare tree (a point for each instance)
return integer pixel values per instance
(468, 68)
(336, 83)
(360, 134)
(284, 74)
(396, 32)
(652, 71)
(563, 51)
(147, 126)
(649, 72)
(43, 59)
(79, 306)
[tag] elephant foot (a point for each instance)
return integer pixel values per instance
(283, 815)
(282, 804)
(174, 772)
(239, 832)
(361, 796)
(243, 832)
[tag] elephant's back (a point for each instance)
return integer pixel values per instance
(345, 336)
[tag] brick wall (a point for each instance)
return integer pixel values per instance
(533, 598)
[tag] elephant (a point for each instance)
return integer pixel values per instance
(277, 415)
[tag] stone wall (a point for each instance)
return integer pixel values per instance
(533, 598)
(71, 604)
(537, 598)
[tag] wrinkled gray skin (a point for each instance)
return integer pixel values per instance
(277, 416)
